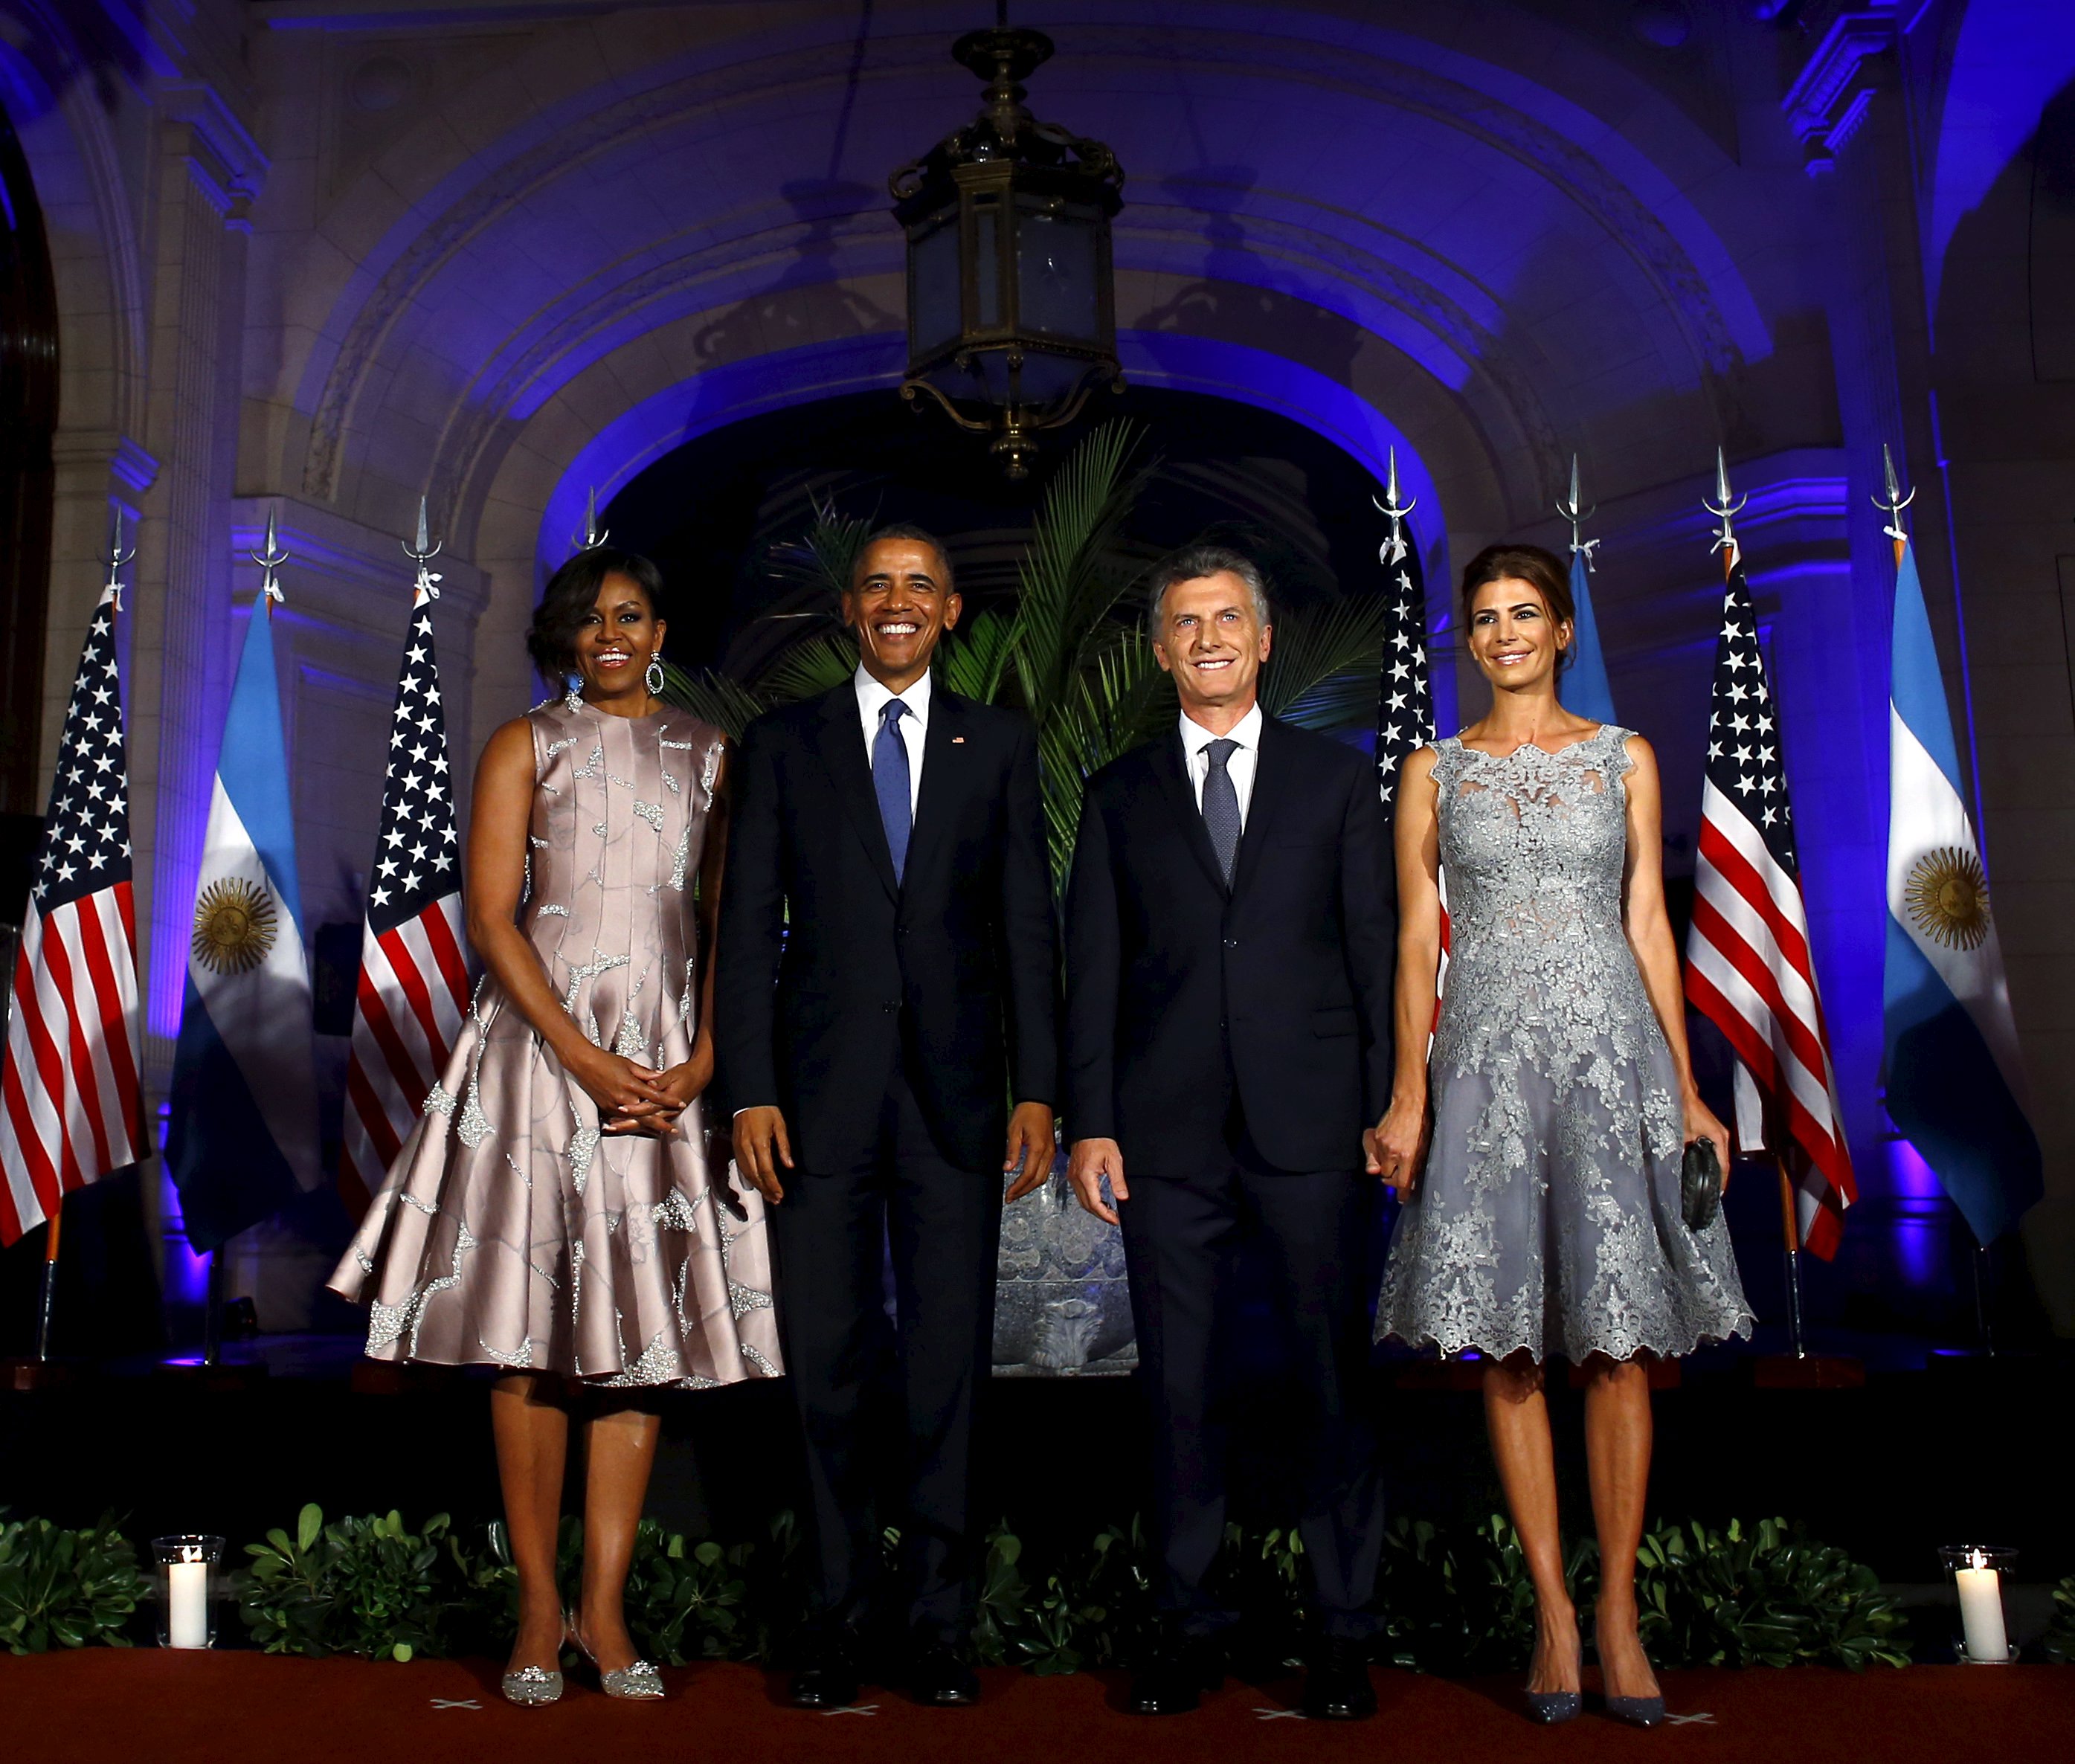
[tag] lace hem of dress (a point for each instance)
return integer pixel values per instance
(1578, 1351)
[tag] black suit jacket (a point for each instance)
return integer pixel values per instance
(1184, 995)
(827, 970)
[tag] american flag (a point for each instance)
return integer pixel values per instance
(70, 1106)
(1404, 702)
(1748, 968)
(413, 987)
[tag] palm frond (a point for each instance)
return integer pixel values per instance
(1121, 699)
(975, 656)
(727, 704)
(1319, 644)
(817, 661)
(1069, 581)
(822, 559)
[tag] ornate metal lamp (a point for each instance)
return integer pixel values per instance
(1012, 317)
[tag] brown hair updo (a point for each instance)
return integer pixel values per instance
(1539, 569)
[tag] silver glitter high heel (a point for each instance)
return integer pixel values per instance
(532, 1687)
(637, 1683)
(1552, 1707)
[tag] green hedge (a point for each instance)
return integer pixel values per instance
(1454, 1601)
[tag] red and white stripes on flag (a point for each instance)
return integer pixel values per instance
(70, 1108)
(413, 987)
(1748, 967)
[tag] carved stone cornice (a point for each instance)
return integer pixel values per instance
(228, 163)
(1828, 99)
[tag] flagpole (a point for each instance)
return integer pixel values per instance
(1791, 1231)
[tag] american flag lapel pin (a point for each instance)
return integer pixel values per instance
(958, 741)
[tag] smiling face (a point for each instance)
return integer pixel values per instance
(1512, 640)
(900, 604)
(1212, 640)
(615, 640)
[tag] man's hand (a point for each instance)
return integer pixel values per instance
(1031, 1145)
(1089, 1162)
(761, 1145)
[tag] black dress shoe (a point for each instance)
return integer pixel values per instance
(826, 1676)
(942, 1678)
(1175, 1675)
(1336, 1686)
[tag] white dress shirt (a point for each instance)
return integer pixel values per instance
(1239, 767)
(873, 698)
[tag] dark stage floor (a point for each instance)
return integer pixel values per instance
(101, 1704)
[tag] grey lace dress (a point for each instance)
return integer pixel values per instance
(1548, 1216)
(511, 1231)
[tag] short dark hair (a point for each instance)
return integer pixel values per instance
(904, 529)
(570, 596)
(1539, 569)
(1193, 561)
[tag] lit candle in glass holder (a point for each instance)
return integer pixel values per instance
(1977, 1572)
(186, 1567)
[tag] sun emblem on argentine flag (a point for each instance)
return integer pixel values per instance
(233, 925)
(1948, 897)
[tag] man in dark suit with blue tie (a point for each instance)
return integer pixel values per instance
(884, 992)
(1231, 943)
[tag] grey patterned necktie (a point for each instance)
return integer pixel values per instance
(1221, 806)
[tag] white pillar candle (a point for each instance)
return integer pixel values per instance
(1981, 1613)
(187, 1604)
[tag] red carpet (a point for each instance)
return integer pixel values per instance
(158, 1708)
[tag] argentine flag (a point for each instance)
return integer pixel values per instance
(243, 1137)
(1586, 691)
(1955, 1084)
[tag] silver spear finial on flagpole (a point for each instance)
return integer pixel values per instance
(1571, 512)
(1723, 506)
(272, 560)
(593, 537)
(1895, 501)
(1393, 548)
(117, 558)
(421, 554)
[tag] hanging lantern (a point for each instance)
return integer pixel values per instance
(1011, 318)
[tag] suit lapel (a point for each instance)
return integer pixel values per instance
(842, 745)
(1271, 786)
(1170, 765)
(944, 774)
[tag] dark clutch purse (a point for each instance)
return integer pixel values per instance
(1701, 1185)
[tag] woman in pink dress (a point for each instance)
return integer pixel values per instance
(554, 1214)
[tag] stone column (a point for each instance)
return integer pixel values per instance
(207, 171)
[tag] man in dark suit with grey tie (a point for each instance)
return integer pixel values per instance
(884, 992)
(1230, 938)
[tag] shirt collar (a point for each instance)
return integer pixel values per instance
(1246, 732)
(872, 697)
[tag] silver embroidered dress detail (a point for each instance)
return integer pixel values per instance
(511, 1231)
(1548, 1216)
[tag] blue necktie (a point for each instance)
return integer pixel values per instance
(889, 782)
(1221, 806)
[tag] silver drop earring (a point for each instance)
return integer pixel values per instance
(652, 678)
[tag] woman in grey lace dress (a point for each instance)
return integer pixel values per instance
(554, 1214)
(1552, 1112)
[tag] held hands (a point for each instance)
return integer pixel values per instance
(681, 1084)
(1396, 1146)
(761, 1144)
(1700, 1124)
(1031, 1144)
(1086, 1164)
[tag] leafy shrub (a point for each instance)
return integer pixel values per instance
(2059, 1639)
(363, 1586)
(1462, 1605)
(1764, 1597)
(66, 1589)
(685, 1601)
(1095, 1610)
